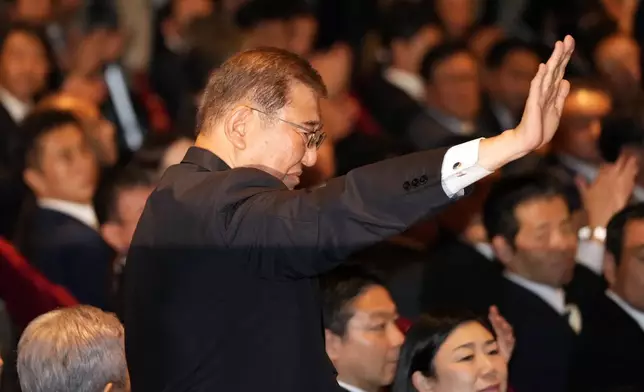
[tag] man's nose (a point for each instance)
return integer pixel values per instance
(310, 157)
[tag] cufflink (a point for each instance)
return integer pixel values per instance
(456, 166)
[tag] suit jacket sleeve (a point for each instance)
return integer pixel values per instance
(303, 233)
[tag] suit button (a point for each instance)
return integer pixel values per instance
(414, 182)
(423, 179)
(406, 185)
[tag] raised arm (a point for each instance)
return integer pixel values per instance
(304, 233)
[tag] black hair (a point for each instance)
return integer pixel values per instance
(402, 20)
(24, 28)
(616, 226)
(130, 177)
(617, 133)
(507, 194)
(499, 52)
(438, 55)
(422, 342)
(340, 288)
(36, 126)
(254, 12)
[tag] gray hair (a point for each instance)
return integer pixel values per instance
(78, 349)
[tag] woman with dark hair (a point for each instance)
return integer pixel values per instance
(450, 354)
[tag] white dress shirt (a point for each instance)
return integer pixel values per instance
(348, 387)
(485, 249)
(460, 168)
(82, 212)
(408, 82)
(555, 297)
(636, 314)
(17, 109)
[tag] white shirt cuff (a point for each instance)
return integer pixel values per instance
(460, 168)
(591, 255)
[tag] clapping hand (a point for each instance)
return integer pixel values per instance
(504, 333)
(548, 91)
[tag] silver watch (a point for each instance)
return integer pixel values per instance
(598, 233)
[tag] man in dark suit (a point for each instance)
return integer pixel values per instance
(23, 74)
(610, 352)
(529, 225)
(452, 105)
(221, 288)
(394, 95)
(61, 237)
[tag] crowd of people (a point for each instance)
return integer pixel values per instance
(99, 98)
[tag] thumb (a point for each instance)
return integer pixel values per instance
(582, 185)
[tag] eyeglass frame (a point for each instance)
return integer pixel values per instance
(315, 138)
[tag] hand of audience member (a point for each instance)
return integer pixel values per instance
(504, 333)
(611, 190)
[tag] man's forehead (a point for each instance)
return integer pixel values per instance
(374, 300)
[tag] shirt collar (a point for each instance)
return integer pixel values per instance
(82, 212)
(589, 171)
(17, 109)
(556, 298)
(348, 387)
(485, 249)
(408, 82)
(635, 314)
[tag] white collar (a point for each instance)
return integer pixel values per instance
(485, 249)
(348, 387)
(556, 298)
(17, 109)
(588, 170)
(82, 212)
(408, 82)
(635, 314)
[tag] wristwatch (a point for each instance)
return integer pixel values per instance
(587, 233)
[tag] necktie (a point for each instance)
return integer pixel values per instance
(573, 316)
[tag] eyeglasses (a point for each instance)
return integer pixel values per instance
(315, 137)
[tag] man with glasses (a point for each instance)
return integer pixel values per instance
(221, 288)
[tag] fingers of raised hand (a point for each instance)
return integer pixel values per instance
(551, 68)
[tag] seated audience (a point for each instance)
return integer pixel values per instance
(61, 236)
(451, 354)
(24, 68)
(394, 96)
(610, 352)
(452, 110)
(362, 338)
(529, 225)
(78, 349)
(126, 200)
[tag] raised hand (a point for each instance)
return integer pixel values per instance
(504, 333)
(548, 91)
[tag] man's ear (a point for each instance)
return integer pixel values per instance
(333, 344)
(111, 233)
(236, 126)
(35, 180)
(422, 383)
(502, 250)
(610, 269)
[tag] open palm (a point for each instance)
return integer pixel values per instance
(548, 91)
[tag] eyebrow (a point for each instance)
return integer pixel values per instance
(384, 314)
(470, 345)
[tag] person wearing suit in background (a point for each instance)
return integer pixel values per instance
(61, 237)
(24, 68)
(610, 352)
(221, 278)
(529, 225)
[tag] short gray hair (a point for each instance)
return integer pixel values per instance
(78, 349)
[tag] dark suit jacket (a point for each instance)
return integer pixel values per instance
(610, 351)
(71, 254)
(390, 106)
(426, 132)
(459, 277)
(221, 286)
(541, 359)
(12, 189)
